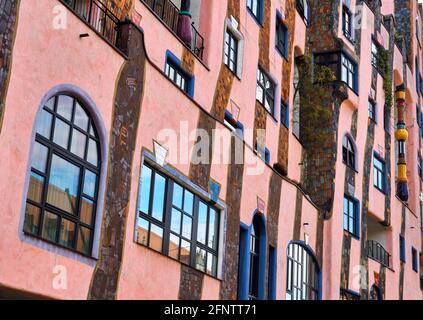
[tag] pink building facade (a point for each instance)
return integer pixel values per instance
(270, 150)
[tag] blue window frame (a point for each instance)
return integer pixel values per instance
(285, 114)
(281, 36)
(272, 273)
(233, 124)
(415, 259)
(379, 173)
(179, 76)
(252, 259)
(267, 156)
(402, 248)
(256, 9)
(352, 216)
(417, 76)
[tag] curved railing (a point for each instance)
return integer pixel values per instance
(377, 252)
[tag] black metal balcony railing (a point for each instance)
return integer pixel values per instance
(96, 14)
(168, 12)
(378, 253)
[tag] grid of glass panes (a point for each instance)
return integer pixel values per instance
(348, 154)
(265, 92)
(176, 76)
(254, 263)
(348, 72)
(174, 221)
(254, 7)
(231, 51)
(302, 274)
(350, 216)
(63, 186)
(379, 174)
(372, 110)
(375, 55)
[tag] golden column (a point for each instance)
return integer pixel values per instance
(401, 135)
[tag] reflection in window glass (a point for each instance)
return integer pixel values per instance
(63, 185)
(92, 155)
(189, 235)
(64, 214)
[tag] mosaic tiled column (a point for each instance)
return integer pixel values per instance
(401, 135)
(184, 22)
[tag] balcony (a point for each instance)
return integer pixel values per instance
(96, 14)
(168, 13)
(378, 253)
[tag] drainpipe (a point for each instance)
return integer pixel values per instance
(184, 22)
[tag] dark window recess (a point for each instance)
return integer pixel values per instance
(372, 110)
(265, 93)
(343, 67)
(284, 114)
(351, 216)
(379, 174)
(174, 221)
(347, 20)
(415, 259)
(348, 153)
(281, 37)
(231, 51)
(420, 166)
(65, 167)
(254, 261)
(302, 274)
(177, 75)
(255, 7)
(402, 248)
(375, 55)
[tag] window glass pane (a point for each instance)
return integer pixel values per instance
(175, 224)
(65, 107)
(212, 239)
(87, 210)
(81, 117)
(346, 222)
(145, 189)
(67, 233)
(50, 103)
(63, 185)
(32, 219)
(185, 251)
(78, 143)
(177, 195)
(188, 202)
(39, 157)
(202, 223)
(159, 196)
(200, 259)
(142, 231)
(50, 226)
(259, 94)
(174, 246)
(351, 226)
(211, 264)
(84, 241)
(156, 238)
(61, 133)
(187, 227)
(90, 181)
(44, 122)
(36, 185)
(92, 156)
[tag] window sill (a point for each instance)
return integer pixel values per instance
(268, 112)
(353, 236)
(59, 246)
(381, 190)
(349, 167)
(233, 72)
(176, 260)
(283, 55)
(259, 23)
(349, 38)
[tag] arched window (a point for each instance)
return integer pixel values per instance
(64, 177)
(302, 274)
(254, 260)
(348, 153)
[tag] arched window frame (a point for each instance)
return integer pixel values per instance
(245, 260)
(312, 256)
(95, 115)
(348, 152)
